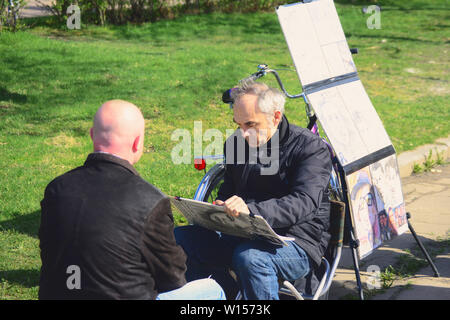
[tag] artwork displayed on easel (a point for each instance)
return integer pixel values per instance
(316, 41)
(330, 81)
(377, 204)
(349, 120)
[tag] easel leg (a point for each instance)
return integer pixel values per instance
(424, 251)
(352, 241)
(353, 246)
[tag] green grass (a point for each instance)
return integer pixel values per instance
(52, 81)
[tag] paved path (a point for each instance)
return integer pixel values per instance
(35, 9)
(427, 198)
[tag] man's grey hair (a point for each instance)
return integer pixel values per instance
(269, 99)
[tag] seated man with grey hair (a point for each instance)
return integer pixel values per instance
(282, 174)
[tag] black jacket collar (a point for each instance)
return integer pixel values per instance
(106, 157)
(283, 129)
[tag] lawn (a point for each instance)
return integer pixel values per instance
(53, 80)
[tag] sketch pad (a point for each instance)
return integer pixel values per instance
(315, 40)
(330, 81)
(215, 218)
(350, 122)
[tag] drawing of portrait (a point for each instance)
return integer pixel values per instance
(365, 211)
(387, 232)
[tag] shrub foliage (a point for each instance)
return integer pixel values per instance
(139, 11)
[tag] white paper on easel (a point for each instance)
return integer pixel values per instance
(349, 121)
(320, 52)
(315, 40)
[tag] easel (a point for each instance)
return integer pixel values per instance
(331, 84)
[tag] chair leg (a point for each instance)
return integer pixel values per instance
(292, 289)
(323, 280)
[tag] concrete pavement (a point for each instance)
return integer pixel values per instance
(439, 149)
(427, 198)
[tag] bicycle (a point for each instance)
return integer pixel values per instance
(211, 181)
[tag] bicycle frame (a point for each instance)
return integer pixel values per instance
(207, 180)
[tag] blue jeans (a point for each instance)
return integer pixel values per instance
(203, 289)
(258, 264)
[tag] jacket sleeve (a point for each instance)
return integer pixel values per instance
(166, 260)
(308, 179)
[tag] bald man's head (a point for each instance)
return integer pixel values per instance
(119, 129)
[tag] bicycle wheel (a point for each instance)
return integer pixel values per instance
(210, 184)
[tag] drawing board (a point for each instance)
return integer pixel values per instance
(329, 78)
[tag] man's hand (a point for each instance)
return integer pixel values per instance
(233, 206)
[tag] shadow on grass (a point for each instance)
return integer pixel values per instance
(7, 95)
(391, 37)
(27, 278)
(387, 5)
(63, 65)
(181, 28)
(27, 224)
(188, 26)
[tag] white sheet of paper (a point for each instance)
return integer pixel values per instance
(349, 121)
(316, 40)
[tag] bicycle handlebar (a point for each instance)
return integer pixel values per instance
(263, 69)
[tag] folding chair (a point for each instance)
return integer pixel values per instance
(319, 281)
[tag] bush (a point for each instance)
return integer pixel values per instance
(9, 13)
(138, 11)
(115, 12)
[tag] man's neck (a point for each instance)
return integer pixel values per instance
(115, 155)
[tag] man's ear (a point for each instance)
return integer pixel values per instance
(91, 133)
(277, 117)
(135, 146)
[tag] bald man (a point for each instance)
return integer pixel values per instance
(119, 129)
(105, 232)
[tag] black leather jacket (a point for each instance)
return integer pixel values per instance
(115, 227)
(294, 200)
